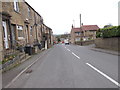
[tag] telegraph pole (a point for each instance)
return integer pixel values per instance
(80, 20)
(73, 23)
(81, 32)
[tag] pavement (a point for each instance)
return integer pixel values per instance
(69, 66)
(8, 76)
(93, 47)
(104, 50)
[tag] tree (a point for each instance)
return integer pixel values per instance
(58, 39)
(109, 25)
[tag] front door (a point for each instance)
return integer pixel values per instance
(27, 33)
(5, 35)
(13, 33)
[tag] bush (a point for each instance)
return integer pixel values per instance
(109, 32)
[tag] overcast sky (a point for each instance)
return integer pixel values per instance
(61, 14)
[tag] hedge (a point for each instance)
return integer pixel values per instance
(109, 32)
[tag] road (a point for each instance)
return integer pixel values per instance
(70, 66)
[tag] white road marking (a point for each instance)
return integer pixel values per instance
(68, 49)
(22, 72)
(75, 55)
(65, 47)
(106, 76)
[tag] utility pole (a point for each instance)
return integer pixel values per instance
(81, 32)
(73, 23)
(80, 20)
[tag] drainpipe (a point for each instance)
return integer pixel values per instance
(35, 26)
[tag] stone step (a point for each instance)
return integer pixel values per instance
(23, 56)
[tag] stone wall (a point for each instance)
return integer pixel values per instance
(84, 43)
(108, 43)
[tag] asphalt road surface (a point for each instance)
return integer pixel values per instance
(70, 66)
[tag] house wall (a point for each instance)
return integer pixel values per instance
(39, 36)
(86, 34)
(72, 37)
(1, 41)
(90, 34)
(21, 17)
(52, 38)
(9, 8)
(16, 17)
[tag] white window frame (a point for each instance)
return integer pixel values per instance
(16, 6)
(31, 31)
(77, 33)
(29, 12)
(20, 28)
(77, 39)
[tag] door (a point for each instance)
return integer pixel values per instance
(5, 35)
(13, 33)
(26, 32)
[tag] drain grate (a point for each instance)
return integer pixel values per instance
(29, 71)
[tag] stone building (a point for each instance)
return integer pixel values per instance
(47, 36)
(75, 34)
(21, 26)
(1, 41)
(84, 33)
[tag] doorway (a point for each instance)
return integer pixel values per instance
(27, 34)
(13, 33)
(5, 35)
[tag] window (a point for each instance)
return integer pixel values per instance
(31, 31)
(16, 5)
(77, 39)
(29, 12)
(77, 33)
(20, 32)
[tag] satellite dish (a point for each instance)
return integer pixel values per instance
(26, 19)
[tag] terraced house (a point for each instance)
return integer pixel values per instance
(22, 26)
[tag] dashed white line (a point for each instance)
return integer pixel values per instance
(68, 49)
(106, 76)
(75, 55)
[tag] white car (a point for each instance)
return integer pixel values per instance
(66, 41)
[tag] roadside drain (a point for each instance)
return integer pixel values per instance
(29, 71)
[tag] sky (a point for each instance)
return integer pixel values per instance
(61, 14)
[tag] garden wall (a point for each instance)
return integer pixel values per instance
(108, 43)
